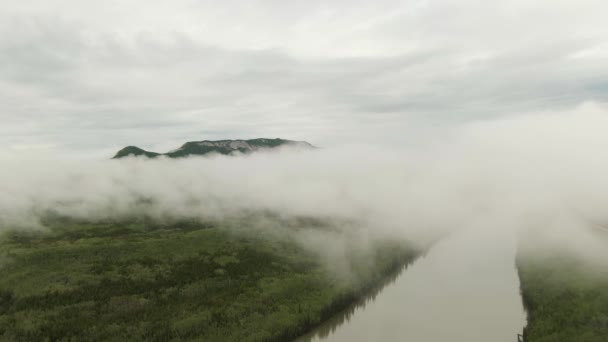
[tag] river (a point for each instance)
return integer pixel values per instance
(465, 289)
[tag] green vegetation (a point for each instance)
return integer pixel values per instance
(134, 151)
(224, 147)
(212, 281)
(566, 295)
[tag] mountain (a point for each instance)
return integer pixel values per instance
(225, 147)
(134, 151)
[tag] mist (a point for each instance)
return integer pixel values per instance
(534, 170)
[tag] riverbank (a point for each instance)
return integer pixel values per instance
(215, 281)
(465, 288)
(564, 291)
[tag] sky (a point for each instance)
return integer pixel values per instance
(83, 78)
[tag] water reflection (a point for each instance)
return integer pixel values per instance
(332, 324)
(465, 289)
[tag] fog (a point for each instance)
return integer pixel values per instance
(465, 289)
(532, 170)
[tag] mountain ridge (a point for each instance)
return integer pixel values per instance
(225, 147)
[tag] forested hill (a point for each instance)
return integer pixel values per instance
(225, 147)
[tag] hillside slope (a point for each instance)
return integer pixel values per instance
(225, 147)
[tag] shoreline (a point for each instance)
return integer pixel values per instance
(343, 309)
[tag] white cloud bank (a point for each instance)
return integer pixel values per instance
(534, 170)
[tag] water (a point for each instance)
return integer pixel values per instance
(465, 289)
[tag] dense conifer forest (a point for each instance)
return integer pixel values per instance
(211, 281)
(565, 294)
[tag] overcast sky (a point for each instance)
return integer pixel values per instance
(84, 78)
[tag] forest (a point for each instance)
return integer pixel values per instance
(565, 293)
(220, 280)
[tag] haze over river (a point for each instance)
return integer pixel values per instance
(465, 289)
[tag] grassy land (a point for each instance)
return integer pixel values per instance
(566, 295)
(188, 281)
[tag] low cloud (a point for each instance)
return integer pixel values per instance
(525, 172)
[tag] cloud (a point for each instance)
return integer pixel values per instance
(89, 78)
(542, 169)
